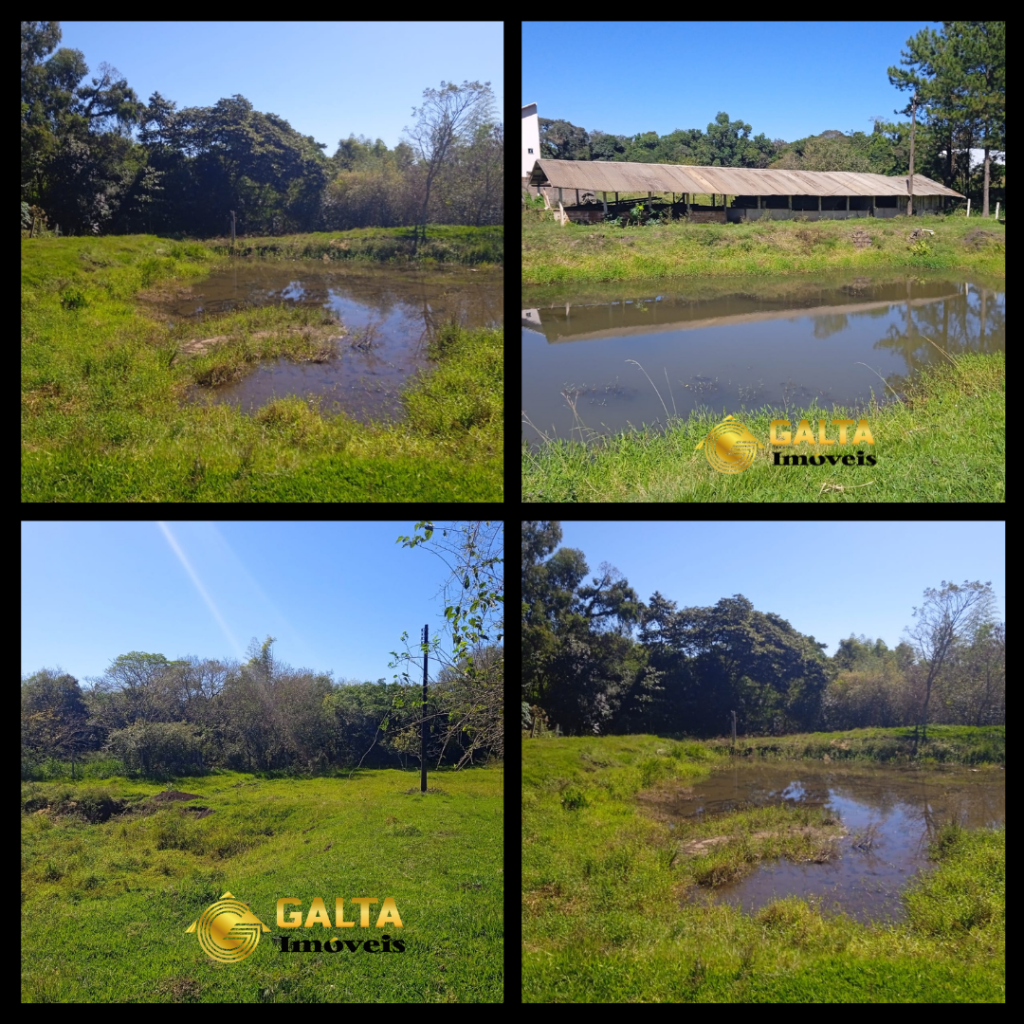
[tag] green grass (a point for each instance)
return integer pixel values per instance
(945, 442)
(946, 744)
(106, 902)
(598, 252)
(445, 243)
(104, 416)
(604, 916)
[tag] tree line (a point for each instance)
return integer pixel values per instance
(96, 159)
(154, 716)
(957, 75)
(597, 659)
(150, 715)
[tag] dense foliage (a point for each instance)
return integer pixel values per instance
(596, 659)
(958, 74)
(157, 716)
(96, 159)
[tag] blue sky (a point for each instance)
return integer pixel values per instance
(827, 579)
(786, 79)
(327, 79)
(337, 596)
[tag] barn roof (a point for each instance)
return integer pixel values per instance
(613, 176)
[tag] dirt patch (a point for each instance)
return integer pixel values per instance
(199, 812)
(978, 238)
(665, 803)
(181, 989)
(548, 897)
(197, 346)
(174, 794)
(920, 234)
(860, 238)
(699, 846)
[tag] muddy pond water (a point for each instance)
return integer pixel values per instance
(388, 315)
(890, 815)
(731, 344)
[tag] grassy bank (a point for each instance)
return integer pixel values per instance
(445, 243)
(944, 442)
(943, 744)
(586, 253)
(105, 416)
(606, 916)
(112, 878)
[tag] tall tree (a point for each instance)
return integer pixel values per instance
(959, 77)
(977, 55)
(948, 617)
(448, 116)
(562, 140)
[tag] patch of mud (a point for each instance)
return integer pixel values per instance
(699, 846)
(199, 812)
(174, 794)
(197, 346)
(860, 238)
(666, 802)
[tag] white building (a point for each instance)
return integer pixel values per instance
(531, 137)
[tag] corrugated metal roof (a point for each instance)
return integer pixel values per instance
(611, 176)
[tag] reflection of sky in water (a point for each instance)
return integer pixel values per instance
(387, 313)
(889, 817)
(734, 352)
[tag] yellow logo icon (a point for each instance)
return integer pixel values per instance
(228, 930)
(730, 447)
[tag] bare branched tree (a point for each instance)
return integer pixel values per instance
(449, 116)
(948, 617)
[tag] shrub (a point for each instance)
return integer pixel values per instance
(160, 747)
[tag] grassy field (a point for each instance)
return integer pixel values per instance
(112, 878)
(604, 918)
(598, 252)
(103, 386)
(945, 442)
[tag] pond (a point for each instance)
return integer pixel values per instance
(889, 814)
(388, 315)
(731, 344)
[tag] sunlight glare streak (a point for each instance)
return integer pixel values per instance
(202, 590)
(289, 633)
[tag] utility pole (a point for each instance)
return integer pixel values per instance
(423, 749)
(913, 121)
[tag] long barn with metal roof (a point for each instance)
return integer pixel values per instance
(783, 193)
